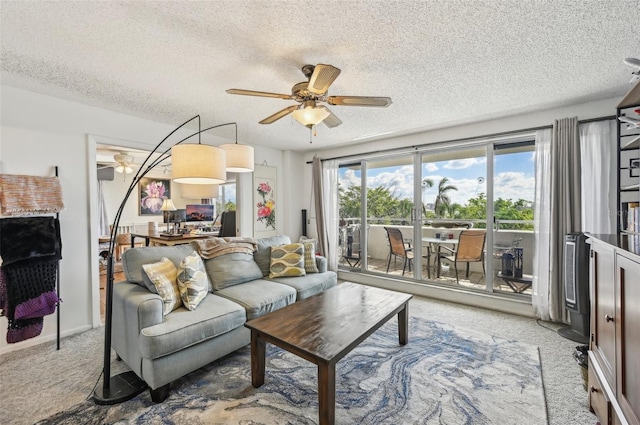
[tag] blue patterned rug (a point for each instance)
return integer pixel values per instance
(445, 375)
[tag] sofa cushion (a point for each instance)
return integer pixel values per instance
(163, 275)
(133, 259)
(310, 256)
(232, 269)
(183, 328)
(263, 253)
(193, 282)
(287, 260)
(310, 284)
(260, 297)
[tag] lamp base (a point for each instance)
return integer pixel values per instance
(122, 387)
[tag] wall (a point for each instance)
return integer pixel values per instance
(38, 132)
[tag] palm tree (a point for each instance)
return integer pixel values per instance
(426, 184)
(443, 201)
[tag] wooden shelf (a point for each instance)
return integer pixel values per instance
(632, 98)
(630, 144)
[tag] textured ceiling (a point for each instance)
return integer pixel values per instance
(442, 62)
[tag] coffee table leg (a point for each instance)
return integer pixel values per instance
(258, 346)
(327, 393)
(403, 324)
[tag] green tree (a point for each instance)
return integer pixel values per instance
(230, 206)
(443, 201)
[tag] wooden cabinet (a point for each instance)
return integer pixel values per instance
(628, 336)
(614, 351)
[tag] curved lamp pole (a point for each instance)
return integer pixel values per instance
(125, 386)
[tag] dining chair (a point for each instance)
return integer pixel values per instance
(470, 249)
(398, 248)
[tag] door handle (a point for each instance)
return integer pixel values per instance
(608, 318)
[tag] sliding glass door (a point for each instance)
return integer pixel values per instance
(443, 215)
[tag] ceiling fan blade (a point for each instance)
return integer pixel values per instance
(359, 101)
(259, 93)
(331, 121)
(322, 77)
(279, 114)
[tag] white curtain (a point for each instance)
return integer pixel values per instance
(541, 225)
(598, 152)
(103, 220)
(330, 195)
(325, 190)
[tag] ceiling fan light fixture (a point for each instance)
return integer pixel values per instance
(309, 114)
(198, 164)
(240, 158)
(124, 163)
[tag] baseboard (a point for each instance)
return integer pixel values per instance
(42, 340)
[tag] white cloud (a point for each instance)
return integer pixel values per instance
(458, 164)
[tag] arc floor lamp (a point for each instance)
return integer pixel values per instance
(192, 164)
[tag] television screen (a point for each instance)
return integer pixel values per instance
(177, 216)
(203, 212)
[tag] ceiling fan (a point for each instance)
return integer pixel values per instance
(311, 94)
(122, 163)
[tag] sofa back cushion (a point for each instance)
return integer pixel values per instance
(263, 253)
(231, 269)
(133, 259)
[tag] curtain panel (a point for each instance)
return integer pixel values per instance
(557, 212)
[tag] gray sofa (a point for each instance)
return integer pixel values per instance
(161, 349)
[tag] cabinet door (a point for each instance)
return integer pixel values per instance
(603, 325)
(628, 338)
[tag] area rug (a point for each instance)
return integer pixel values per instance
(444, 375)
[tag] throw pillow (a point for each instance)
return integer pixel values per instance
(310, 257)
(192, 281)
(287, 260)
(163, 275)
(263, 253)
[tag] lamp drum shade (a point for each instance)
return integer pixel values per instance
(198, 164)
(199, 191)
(240, 158)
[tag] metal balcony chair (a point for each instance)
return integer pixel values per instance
(398, 248)
(470, 249)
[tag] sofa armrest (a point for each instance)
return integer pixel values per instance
(321, 263)
(134, 308)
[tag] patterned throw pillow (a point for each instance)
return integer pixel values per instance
(193, 282)
(287, 260)
(310, 257)
(163, 275)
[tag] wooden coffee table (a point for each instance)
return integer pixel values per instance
(323, 329)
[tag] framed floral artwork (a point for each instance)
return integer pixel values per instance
(152, 193)
(264, 206)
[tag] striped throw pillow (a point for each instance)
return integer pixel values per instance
(163, 276)
(310, 257)
(287, 260)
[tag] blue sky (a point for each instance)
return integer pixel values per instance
(513, 177)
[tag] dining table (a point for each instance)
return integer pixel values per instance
(434, 243)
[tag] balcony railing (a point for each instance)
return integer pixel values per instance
(507, 234)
